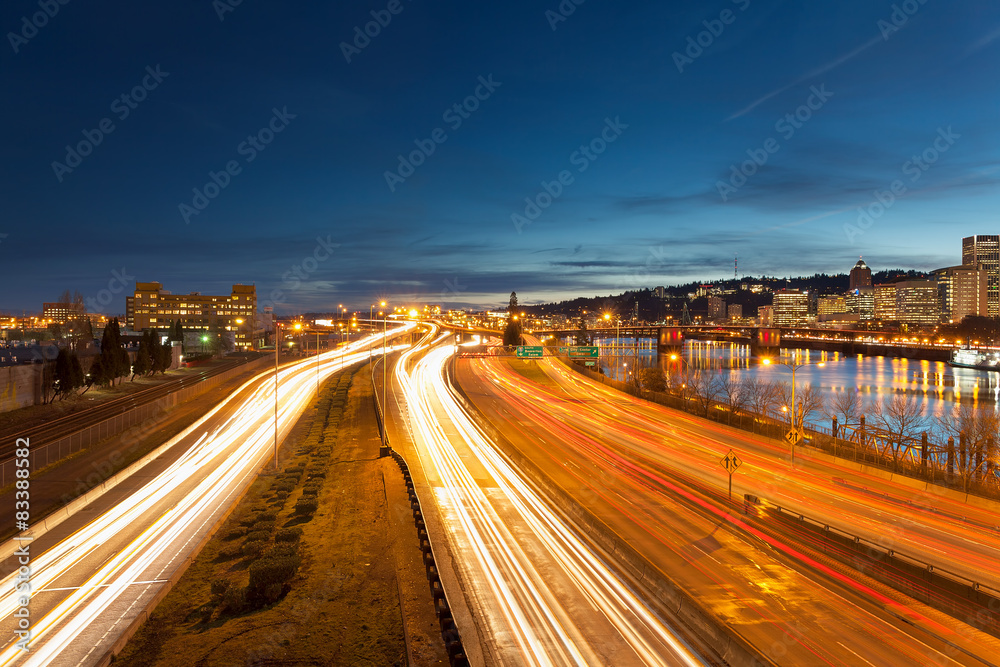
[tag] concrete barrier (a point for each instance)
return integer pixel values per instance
(731, 647)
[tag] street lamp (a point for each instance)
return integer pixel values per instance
(277, 339)
(796, 417)
(384, 336)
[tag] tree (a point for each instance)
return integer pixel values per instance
(900, 421)
(512, 332)
(76, 371)
(734, 389)
(762, 395)
(160, 355)
(97, 374)
(143, 363)
(976, 431)
(807, 401)
(706, 388)
(845, 408)
(581, 336)
(114, 358)
(652, 379)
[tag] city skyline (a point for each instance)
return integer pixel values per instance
(586, 151)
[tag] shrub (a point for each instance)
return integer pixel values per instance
(234, 533)
(259, 536)
(288, 534)
(229, 553)
(234, 600)
(267, 526)
(220, 586)
(254, 549)
(306, 505)
(269, 515)
(268, 577)
(284, 551)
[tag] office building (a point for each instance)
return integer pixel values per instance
(917, 302)
(153, 307)
(861, 275)
(885, 302)
(735, 311)
(962, 291)
(716, 308)
(983, 251)
(61, 313)
(861, 301)
(830, 305)
(765, 316)
(791, 308)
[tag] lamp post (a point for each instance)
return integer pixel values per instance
(795, 412)
(277, 339)
(384, 331)
(371, 314)
(317, 361)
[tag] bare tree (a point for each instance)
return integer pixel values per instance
(707, 389)
(977, 429)
(733, 388)
(762, 395)
(900, 421)
(845, 407)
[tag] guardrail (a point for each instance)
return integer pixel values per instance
(956, 595)
(84, 438)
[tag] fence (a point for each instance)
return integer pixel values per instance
(864, 449)
(87, 437)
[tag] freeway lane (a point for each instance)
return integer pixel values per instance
(590, 441)
(903, 521)
(92, 575)
(538, 594)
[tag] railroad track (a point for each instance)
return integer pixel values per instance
(55, 429)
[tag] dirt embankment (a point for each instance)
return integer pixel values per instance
(318, 565)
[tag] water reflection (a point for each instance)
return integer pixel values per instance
(935, 384)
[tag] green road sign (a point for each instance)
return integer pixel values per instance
(578, 350)
(590, 363)
(529, 351)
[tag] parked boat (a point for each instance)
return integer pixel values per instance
(968, 358)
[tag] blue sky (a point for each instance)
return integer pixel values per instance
(884, 86)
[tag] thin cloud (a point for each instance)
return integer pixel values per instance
(823, 69)
(983, 42)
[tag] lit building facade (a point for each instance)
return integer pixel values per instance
(716, 308)
(861, 301)
(885, 302)
(791, 308)
(735, 311)
(61, 313)
(152, 307)
(917, 302)
(962, 291)
(983, 251)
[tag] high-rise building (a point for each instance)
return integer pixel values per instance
(917, 302)
(962, 291)
(660, 292)
(153, 307)
(735, 311)
(716, 308)
(765, 316)
(861, 275)
(983, 251)
(791, 308)
(885, 302)
(861, 300)
(830, 305)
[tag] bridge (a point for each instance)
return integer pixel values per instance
(769, 339)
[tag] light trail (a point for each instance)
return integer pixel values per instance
(514, 544)
(170, 512)
(626, 453)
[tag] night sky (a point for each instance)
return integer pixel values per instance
(632, 115)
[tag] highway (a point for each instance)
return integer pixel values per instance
(623, 457)
(92, 575)
(538, 594)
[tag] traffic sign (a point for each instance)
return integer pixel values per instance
(579, 350)
(730, 462)
(590, 363)
(793, 436)
(529, 351)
